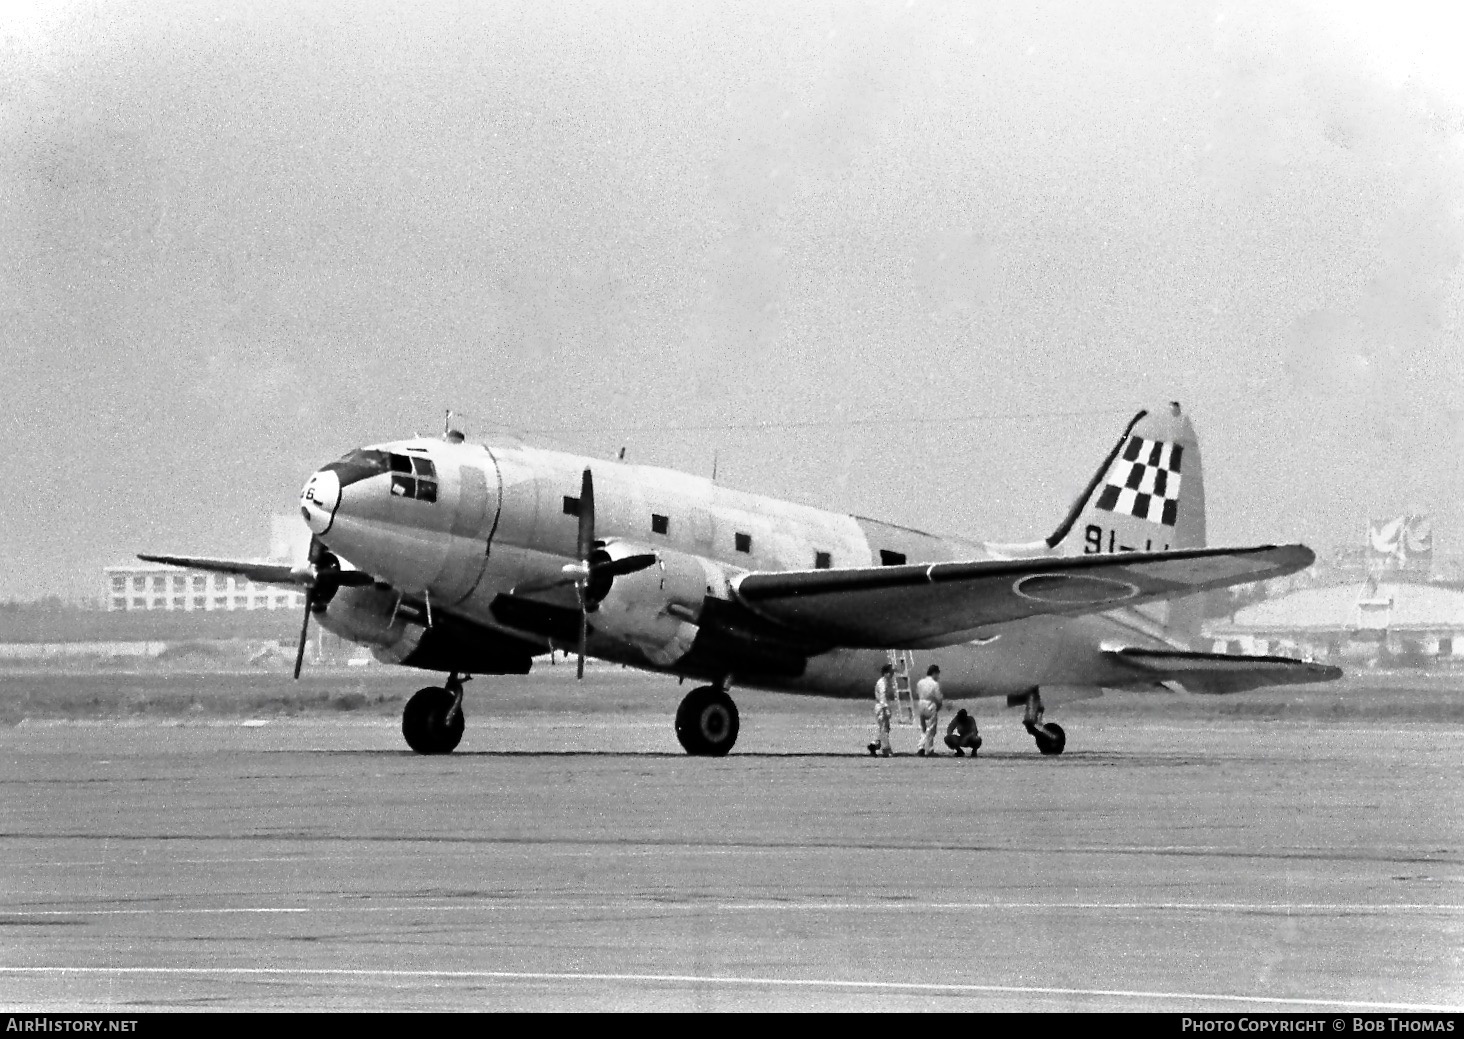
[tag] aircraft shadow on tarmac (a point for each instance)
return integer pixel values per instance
(1083, 757)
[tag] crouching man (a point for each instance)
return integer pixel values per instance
(962, 735)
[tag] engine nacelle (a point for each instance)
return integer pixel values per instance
(367, 616)
(656, 609)
(398, 634)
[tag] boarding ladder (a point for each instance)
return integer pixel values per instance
(903, 661)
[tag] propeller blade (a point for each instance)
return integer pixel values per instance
(579, 671)
(586, 546)
(544, 584)
(304, 632)
(621, 567)
(613, 568)
(586, 543)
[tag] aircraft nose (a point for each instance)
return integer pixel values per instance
(319, 501)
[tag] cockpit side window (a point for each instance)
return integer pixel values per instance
(413, 477)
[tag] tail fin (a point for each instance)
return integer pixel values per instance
(1148, 496)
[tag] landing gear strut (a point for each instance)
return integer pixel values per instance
(1049, 736)
(433, 720)
(707, 722)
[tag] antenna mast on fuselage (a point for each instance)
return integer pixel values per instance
(451, 435)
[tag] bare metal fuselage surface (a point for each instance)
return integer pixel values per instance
(502, 516)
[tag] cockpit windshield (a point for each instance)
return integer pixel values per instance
(360, 465)
(412, 476)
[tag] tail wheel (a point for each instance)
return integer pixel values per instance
(1050, 738)
(707, 722)
(430, 724)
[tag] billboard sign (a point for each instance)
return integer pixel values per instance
(1402, 544)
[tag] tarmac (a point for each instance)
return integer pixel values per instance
(559, 862)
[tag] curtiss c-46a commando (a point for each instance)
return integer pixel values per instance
(474, 558)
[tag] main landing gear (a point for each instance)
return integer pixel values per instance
(433, 720)
(1049, 736)
(706, 721)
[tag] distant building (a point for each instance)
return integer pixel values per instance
(289, 539)
(1364, 621)
(153, 586)
(150, 586)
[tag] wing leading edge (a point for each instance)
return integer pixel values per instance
(261, 573)
(923, 606)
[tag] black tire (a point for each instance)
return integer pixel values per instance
(425, 724)
(707, 722)
(1052, 741)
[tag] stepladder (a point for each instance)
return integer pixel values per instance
(903, 661)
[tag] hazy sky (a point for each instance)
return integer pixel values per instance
(238, 239)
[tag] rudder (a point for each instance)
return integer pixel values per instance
(1148, 496)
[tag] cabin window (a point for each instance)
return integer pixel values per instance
(888, 558)
(571, 506)
(822, 561)
(743, 542)
(414, 477)
(660, 524)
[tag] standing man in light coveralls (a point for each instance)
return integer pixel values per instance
(927, 690)
(884, 698)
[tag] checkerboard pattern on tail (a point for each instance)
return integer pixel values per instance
(1144, 481)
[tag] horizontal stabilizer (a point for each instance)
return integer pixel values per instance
(1221, 672)
(926, 605)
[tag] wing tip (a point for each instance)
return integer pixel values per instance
(1296, 557)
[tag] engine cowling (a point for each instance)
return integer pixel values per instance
(397, 633)
(656, 609)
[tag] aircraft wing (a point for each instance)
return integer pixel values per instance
(263, 573)
(919, 605)
(1221, 672)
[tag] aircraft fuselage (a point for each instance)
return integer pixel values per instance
(459, 530)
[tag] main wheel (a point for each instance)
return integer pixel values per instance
(1053, 740)
(707, 722)
(425, 723)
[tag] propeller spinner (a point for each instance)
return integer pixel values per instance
(593, 571)
(322, 577)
